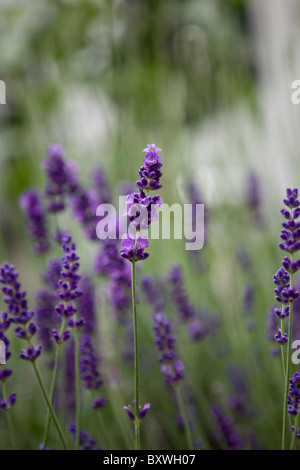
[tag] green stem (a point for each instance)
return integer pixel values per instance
(9, 419)
(77, 384)
(48, 403)
(183, 414)
(136, 358)
(53, 384)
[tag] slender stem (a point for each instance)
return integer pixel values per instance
(53, 384)
(9, 419)
(48, 403)
(183, 414)
(136, 358)
(282, 348)
(287, 372)
(77, 384)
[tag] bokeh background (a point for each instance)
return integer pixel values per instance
(210, 83)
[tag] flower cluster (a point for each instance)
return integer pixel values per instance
(134, 249)
(285, 291)
(31, 205)
(290, 233)
(172, 367)
(17, 308)
(141, 209)
(68, 283)
(150, 173)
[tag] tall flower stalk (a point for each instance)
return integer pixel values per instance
(285, 291)
(140, 213)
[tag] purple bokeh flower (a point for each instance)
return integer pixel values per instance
(61, 178)
(31, 205)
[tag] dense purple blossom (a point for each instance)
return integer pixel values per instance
(134, 250)
(141, 209)
(290, 234)
(14, 298)
(150, 173)
(32, 208)
(171, 367)
(68, 290)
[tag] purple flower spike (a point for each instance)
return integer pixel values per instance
(290, 233)
(32, 208)
(31, 353)
(141, 209)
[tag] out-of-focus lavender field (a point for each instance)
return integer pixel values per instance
(209, 82)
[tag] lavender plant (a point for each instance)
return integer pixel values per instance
(285, 292)
(133, 249)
